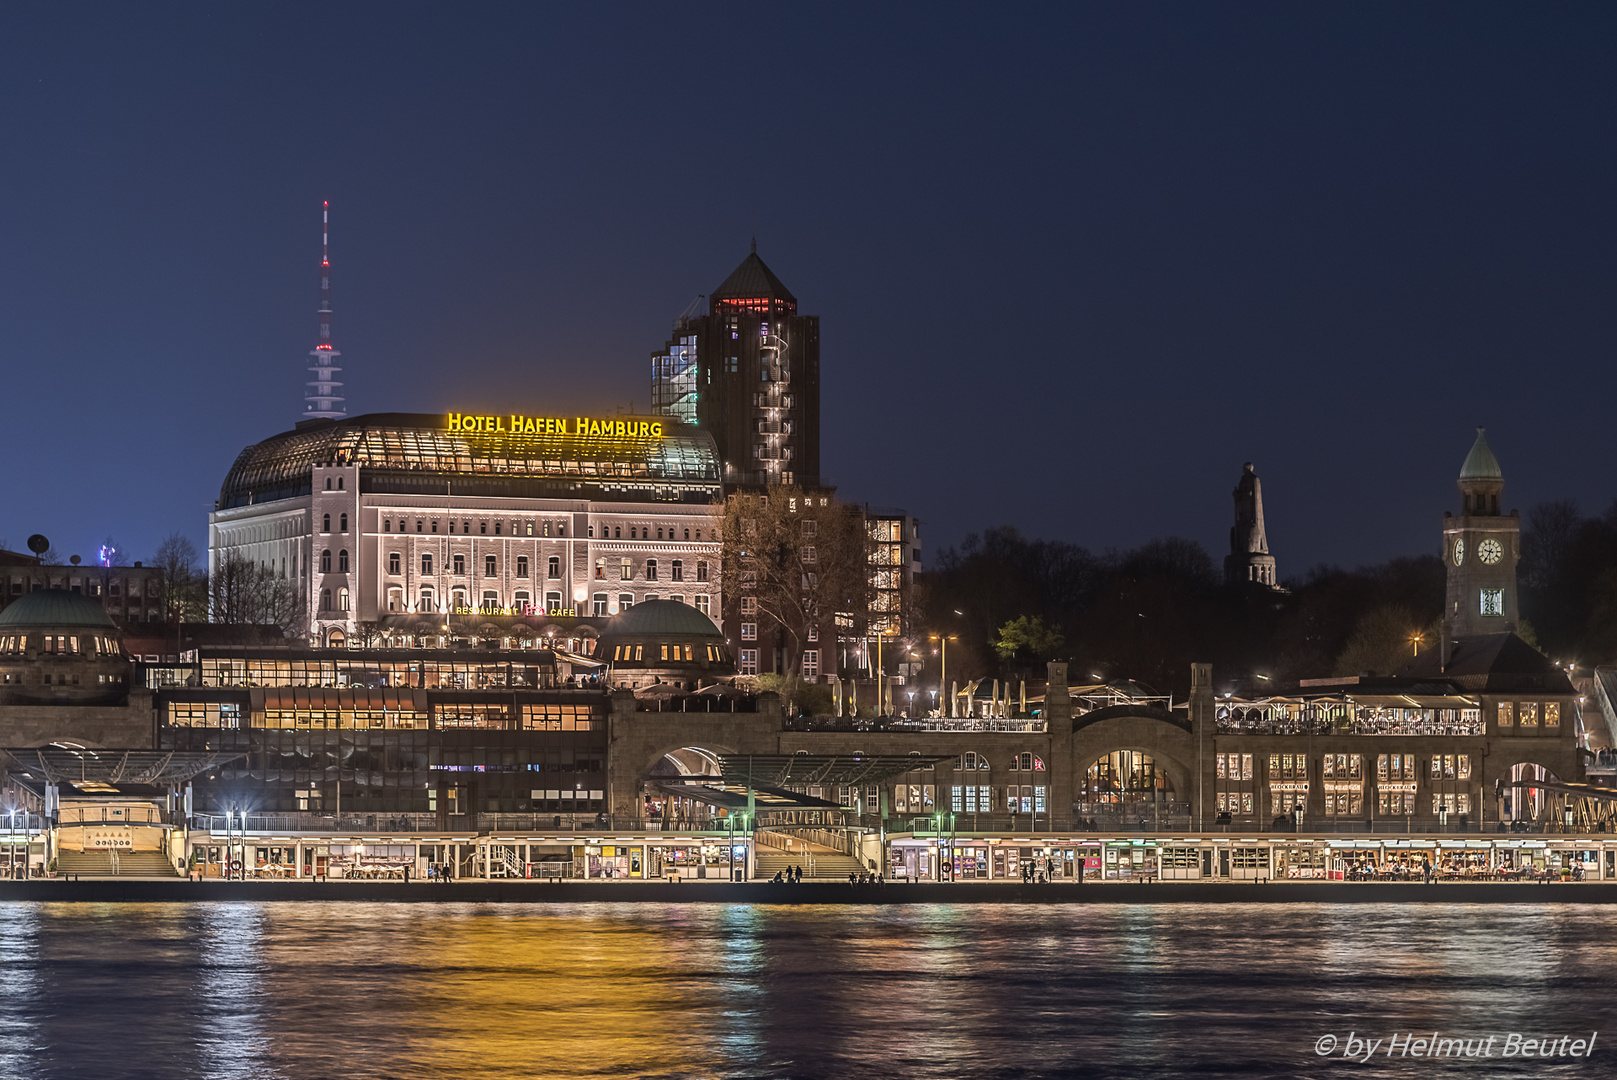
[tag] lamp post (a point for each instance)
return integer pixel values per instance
(943, 672)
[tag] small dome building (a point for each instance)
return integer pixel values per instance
(664, 641)
(60, 648)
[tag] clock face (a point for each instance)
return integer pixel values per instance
(1459, 552)
(1489, 551)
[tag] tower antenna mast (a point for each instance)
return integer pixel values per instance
(323, 399)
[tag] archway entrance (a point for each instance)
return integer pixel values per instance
(1125, 786)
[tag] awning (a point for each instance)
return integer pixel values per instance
(392, 699)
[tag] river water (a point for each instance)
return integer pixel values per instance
(306, 990)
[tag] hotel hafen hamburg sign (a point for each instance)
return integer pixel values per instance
(513, 424)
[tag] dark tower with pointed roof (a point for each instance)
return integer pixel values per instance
(1480, 548)
(749, 372)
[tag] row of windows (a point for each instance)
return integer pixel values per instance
(678, 652)
(61, 644)
(1524, 715)
(1347, 803)
(612, 532)
(1344, 766)
(228, 715)
(522, 602)
(676, 570)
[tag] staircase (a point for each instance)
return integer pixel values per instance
(819, 864)
(98, 864)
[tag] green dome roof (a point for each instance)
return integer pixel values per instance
(54, 607)
(658, 618)
(1480, 464)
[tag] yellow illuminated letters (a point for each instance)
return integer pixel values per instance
(514, 424)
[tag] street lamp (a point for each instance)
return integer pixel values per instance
(943, 672)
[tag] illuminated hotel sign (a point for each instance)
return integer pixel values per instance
(554, 425)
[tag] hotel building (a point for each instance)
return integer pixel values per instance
(499, 528)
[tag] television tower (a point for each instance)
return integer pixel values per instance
(323, 400)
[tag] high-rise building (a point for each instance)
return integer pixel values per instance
(323, 400)
(749, 372)
(1249, 560)
(1480, 549)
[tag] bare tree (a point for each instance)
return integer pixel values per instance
(242, 591)
(185, 591)
(796, 559)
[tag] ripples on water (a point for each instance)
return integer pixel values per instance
(250, 991)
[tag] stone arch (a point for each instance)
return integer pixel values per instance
(1518, 798)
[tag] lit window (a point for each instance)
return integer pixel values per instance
(749, 631)
(1493, 602)
(811, 663)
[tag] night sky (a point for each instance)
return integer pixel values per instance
(1074, 265)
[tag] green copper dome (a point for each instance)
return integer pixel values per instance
(55, 607)
(656, 618)
(1480, 464)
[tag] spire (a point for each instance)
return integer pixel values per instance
(1480, 464)
(323, 400)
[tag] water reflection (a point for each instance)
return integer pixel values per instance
(250, 991)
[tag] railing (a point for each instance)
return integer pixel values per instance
(697, 703)
(453, 823)
(839, 842)
(902, 725)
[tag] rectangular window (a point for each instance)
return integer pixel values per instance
(489, 565)
(701, 570)
(1507, 714)
(426, 565)
(1552, 714)
(522, 566)
(626, 571)
(651, 569)
(749, 631)
(598, 604)
(1527, 715)
(625, 601)
(553, 569)
(749, 661)
(811, 663)
(458, 563)
(749, 605)
(676, 570)
(393, 562)
(1492, 601)
(703, 605)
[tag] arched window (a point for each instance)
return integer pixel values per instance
(342, 561)
(971, 760)
(617, 532)
(325, 561)
(342, 599)
(428, 601)
(325, 523)
(342, 523)
(387, 525)
(325, 599)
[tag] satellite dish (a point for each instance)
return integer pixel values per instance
(38, 544)
(74, 560)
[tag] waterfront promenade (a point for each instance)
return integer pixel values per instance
(154, 890)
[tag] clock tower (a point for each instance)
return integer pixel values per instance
(1480, 548)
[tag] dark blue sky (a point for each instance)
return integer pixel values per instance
(1074, 264)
